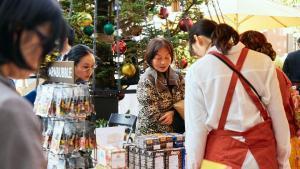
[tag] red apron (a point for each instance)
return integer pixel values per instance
(259, 139)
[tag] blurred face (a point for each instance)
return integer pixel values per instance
(84, 69)
(31, 48)
(31, 44)
(200, 45)
(162, 60)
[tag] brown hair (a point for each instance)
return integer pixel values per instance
(223, 36)
(154, 45)
(257, 41)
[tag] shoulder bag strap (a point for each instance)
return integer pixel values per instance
(246, 84)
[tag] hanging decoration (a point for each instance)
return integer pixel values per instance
(121, 95)
(182, 63)
(108, 29)
(128, 69)
(185, 24)
(163, 13)
(119, 47)
(84, 19)
(88, 30)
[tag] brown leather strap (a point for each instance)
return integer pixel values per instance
(232, 85)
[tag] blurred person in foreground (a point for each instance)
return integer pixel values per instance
(29, 29)
(226, 117)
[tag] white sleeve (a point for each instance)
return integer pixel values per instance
(279, 120)
(195, 117)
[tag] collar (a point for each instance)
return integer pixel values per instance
(161, 82)
(235, 50)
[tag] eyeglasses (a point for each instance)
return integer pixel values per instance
(46, 42)
(87, 68)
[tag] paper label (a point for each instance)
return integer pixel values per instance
(55, 142)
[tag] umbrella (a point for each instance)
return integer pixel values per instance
(252, 14)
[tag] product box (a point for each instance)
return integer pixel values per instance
(148, 142)
(143, 158)
(131, 157)
(127, 147)
(177, 139)
(156, 159)
(112, 157)
(175, 158)
(137, 158)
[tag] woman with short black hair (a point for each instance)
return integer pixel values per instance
(29, 29)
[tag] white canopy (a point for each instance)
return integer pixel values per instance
(253, 14)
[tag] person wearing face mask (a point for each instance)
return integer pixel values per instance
(233, 107)
(84, 61)
(29, 29)
(158, 89)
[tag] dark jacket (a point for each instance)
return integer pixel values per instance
(291, 66)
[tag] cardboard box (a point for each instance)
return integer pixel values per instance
(112, 157)
(156, 159)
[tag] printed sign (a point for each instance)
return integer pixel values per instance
(62, 72)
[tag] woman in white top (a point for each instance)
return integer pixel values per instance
(238, 133)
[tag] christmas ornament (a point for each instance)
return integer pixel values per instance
(182, 63)
(163, 13)
(121, 45)
(84, 19)
(128, 70)
(108, 29)
(120, 95)
(185, 24)
(154, 10)
(88, 30)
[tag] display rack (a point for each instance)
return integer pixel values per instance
(68, 134)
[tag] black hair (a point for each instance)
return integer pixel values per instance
(154, 45)
(70, 35)
(77, 52)
(222, 36)
(298, 40)
(20, 15)
(203, 27)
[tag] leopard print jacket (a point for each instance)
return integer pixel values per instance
(156, 95)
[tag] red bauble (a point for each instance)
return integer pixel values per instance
(120, 95)
(163, 13)
(121, 46)
(183, 63)
(185, 24)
